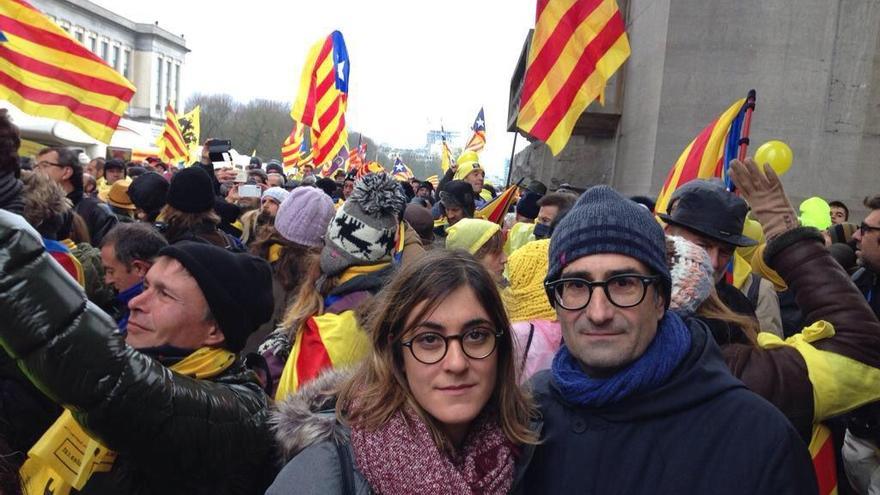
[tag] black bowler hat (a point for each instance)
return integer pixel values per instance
(707, 208)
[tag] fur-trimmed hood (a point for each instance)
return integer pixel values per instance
(308, 416)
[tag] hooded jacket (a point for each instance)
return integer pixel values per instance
(172, 434)
(700, 432)
(98, 220)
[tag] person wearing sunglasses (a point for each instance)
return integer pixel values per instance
(435, 406)
(867, 239)
(638, 401)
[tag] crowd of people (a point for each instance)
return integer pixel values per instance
(189, 330)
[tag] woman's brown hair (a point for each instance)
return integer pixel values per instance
(714, 308)
(379, 388)
(494, 245)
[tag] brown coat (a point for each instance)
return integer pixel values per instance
(824, 292)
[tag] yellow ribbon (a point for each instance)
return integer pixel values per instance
(65, 457)
(354, 271)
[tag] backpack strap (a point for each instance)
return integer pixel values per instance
(347, 467)
(753, 289)
(528, 346)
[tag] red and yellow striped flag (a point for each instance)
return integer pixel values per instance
(46, 73)
(172, 145)
(323, 96)
(291, 150)
(495, 210)
(576, 47)
(701, 158)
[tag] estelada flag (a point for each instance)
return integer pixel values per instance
(495, 210)
(47, 73)
(478, 138)
(576, 47)
(704, 156)
(323, 96)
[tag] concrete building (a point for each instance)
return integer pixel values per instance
(149, 56)
(815, 65)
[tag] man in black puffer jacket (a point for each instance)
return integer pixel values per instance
(171, 400)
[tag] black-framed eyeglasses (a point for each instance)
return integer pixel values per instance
(865, 228)
(624, 291)
(431, 347)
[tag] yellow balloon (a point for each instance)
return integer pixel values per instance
(777, 154)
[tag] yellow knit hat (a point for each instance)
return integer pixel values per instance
(470, 234)
(467, 163)
(525, 297)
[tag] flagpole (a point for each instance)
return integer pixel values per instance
(510, 165)
(744, 138)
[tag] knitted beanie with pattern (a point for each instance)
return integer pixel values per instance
(525, 297)
(692, 274)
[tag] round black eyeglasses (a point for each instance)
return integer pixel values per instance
(623, 291)
(431, 347)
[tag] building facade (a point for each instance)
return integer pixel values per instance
(149, 56)
(815, 65)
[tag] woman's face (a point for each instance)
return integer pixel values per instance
(494, 264)
(455, 389)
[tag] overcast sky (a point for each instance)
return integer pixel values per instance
(413, 63)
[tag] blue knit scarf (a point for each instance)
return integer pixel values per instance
(652, 369)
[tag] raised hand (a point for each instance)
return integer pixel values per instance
(764, 193)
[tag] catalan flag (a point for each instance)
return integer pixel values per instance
(576, 47)
(704, 157)
(323, 96)
(46, 73)
(400, 170)
(478, 139)
(291, 149)
(446, 159)
(495, 210)
(370, 168)
(171, 143)
(357, 157)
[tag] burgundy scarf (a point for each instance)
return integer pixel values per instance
(401, 457)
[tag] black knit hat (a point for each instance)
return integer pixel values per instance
(191, 191)
(603, 221)
(237, 287)
(527, 206)
(274, 166)
(148, 192)
(459, 193)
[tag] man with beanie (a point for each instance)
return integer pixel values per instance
(470, 171)
(166, 408)
(707, 214)
(62, 165)
(189, 214)
(148, 193)
(637, 400)
(456, 202)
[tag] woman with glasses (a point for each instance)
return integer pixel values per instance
(434, 408)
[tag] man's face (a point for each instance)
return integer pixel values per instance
(308, 170)
(92, 168)
(719, 252)
(270, 206)
(423, 192)
(171, 311)
(475, 179)
(347, 188)
(547, 214)
(868, 243)
(275, 180)
(838, 215)
(118, 275)
(112, 175)
(47, 164)
(602, 336)
(454, 214)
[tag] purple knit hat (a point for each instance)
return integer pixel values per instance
(304, 216)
